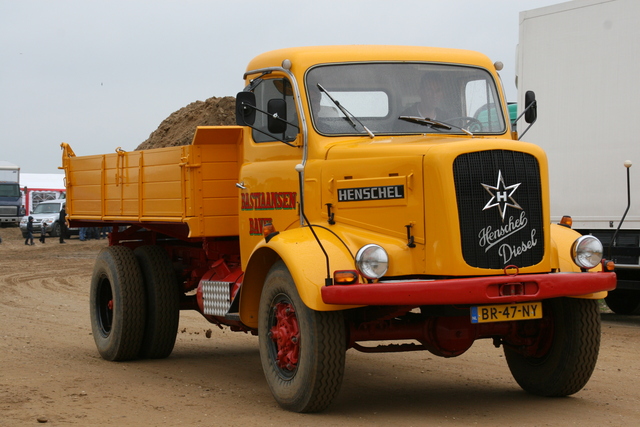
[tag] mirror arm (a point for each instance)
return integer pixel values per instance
(533, 104)
(245, 105)
(277, 138)
(274, 116)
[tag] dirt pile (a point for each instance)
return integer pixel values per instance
(180, 126)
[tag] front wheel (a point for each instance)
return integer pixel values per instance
(55, 230)
(564, 350)
(302, 350)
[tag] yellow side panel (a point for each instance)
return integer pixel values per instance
(193, 184)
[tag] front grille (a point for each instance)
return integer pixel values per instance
(499, 208)
(8, 210)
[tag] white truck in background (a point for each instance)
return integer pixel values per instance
(11, 206)
(581, 58)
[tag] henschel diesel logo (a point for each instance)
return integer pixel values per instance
(501, 196)
(488, 237)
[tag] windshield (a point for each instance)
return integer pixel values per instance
(9, 190)
(44, 208)
(391, 98)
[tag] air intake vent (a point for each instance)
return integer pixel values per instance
(500, 208)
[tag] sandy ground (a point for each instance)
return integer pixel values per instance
(50, 371)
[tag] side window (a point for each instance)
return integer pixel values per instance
(271, 92)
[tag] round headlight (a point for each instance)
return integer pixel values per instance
(372, 261)
(586, 251)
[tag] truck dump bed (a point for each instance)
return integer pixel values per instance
(192, 185)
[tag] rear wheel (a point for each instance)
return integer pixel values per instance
(302, 350)
(564, 351)
(117, 304)
(162, 301)
(622, 301)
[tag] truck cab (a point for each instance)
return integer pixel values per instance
(11, 207)
(423, 164)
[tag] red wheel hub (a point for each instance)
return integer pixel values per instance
(286, 336)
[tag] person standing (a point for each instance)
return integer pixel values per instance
(43, 231)
(62, 220)
(29, 232)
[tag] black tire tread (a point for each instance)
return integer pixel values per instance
(162, 300)
(622, 301)
(570, 362)
(321, 364)
(125, 338)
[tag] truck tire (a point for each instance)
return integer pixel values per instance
(568, 346)
(117, 304)
(622, 301)
(162, 300)
(302, 350)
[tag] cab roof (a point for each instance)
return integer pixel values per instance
(304, 57)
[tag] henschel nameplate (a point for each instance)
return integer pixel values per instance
(359, 194)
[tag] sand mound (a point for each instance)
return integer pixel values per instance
(180, 126)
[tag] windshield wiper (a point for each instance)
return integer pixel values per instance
(347, 115)
(433, 123)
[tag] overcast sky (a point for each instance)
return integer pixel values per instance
(104, 74)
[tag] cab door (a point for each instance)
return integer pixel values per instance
(269, 188)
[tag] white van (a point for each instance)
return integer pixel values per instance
(45, 214)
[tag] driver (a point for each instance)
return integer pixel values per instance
(432, 95)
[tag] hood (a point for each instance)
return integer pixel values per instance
(436, 194)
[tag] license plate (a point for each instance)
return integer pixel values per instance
(506, 312)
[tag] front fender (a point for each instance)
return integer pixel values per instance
(306, 262)
(562, 239)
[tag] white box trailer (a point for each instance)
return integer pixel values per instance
(582, 60)
(9, 172)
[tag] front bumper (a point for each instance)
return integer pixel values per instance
(37, 227)
(473, 290)
(11, 219)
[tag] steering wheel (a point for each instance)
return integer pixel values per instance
(466, 122)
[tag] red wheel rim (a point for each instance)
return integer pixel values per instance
(285, 337)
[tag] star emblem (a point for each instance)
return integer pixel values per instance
(501, 196)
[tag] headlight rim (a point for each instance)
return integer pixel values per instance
(364, 269)
(578, 251)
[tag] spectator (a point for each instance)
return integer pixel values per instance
(62, 220)
(43, 231)
(29, 232)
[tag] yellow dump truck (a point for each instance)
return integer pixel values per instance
(373, 198)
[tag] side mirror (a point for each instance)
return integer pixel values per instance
(245, 108)
(276, 119)
(531, 107)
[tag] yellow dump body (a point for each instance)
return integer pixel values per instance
(192, 185)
